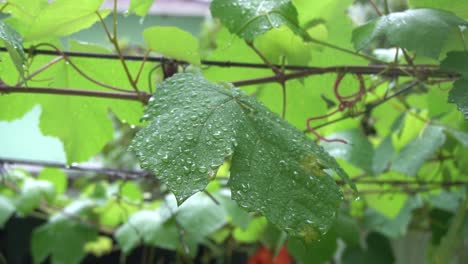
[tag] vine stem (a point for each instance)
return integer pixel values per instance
(279, 74)
(41, 69)
(33, 51)
(141, 96)
(134, 174)
(81, 72)
(376, 8)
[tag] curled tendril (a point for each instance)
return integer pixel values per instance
(344, 102)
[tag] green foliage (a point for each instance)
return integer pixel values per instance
(14, 44)
(409, 29)
(187, 153)
(177, 43)
(250, 19)
(140, 7)
(240, 159)
(64, 236)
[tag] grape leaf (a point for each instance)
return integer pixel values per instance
(459, 96)
(64, 237)
(358, 151)
(32, 193)
(198, 217)
(409, 29)
(418, 151)
(459, 7)
(57, 177)
(249, 19)
(14, 44)
(275, 170)
(177, 44)
(456, 61)
(59, 18)
(140, 7)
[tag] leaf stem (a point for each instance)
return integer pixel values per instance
(376, 8)
(113, 40)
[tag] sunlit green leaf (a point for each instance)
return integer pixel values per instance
(409, 29)
(140, 7)
(195, 125)
(172, 42)
(58, 18)
(55, 176)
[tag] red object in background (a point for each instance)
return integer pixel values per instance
(264, 256)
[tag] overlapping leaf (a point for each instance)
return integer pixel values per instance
(40, 19)
(276, 170)
(418, 151)
(14, 44)
(173, 42)
(424, 30)
(251, 18)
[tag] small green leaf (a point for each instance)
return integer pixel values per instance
(32, 193)
(396, 227)
(459, 96)
(359, 151)
(140, 7)
(456, 61)
(378, 250)
(252, 232)
(418, 151)
(314, 252)
(55, 176)
(249, 19)
(14, 44)
(383, 156)
(197, 218)
(281, 42)
(99, 247)
(194, 125)
(409, 29)
(6, 210)
(64, 237)
(173, 42)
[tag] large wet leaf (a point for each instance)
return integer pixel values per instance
(249, 19)
(194, 125)
(411, 28)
